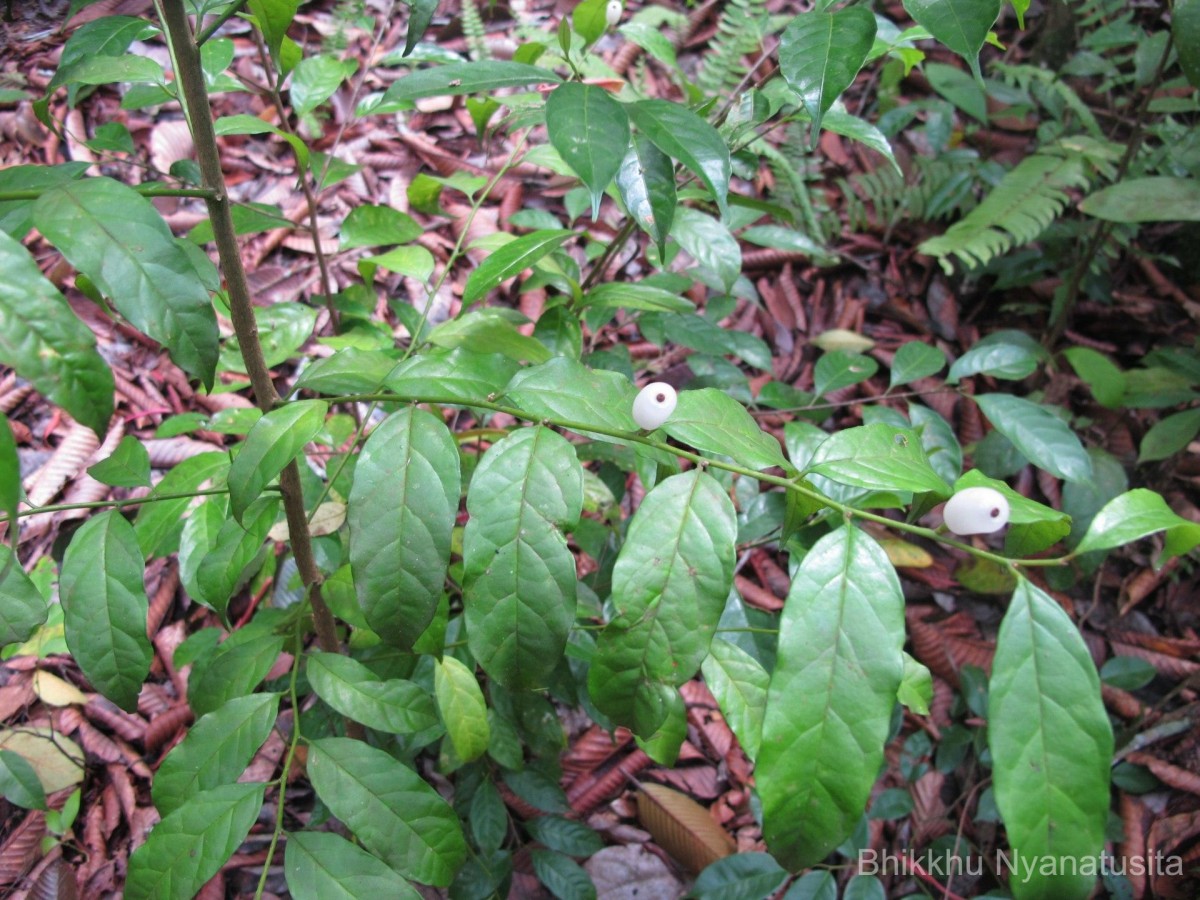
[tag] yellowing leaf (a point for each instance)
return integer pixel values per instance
(327, 519)
(56, 691)
(904, 555)
(53, 756)
(843, 339)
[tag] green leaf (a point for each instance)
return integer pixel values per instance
(1129, 673)
(247, 124)
(378, 226)
(681, 134)
(158, 522)
(22, 607)
(215, 751)
(742, 876)
(115, 236)
(709, 243)
(115, 69)
(16, 216)
(646, 182)
(564, 835)
(387, 806)
(1135, 515)
(1155, 199)
(479, 77)
(589, 20)
(316, 78)
(1008, 354)
(829, 707)
(109, 36)
(401, 513)
(1051, 745)
(962, 25)
(614, 295)
(820, 53)
(669, 587)
(937, 437)
(128, 466)
(1185, 30)
(565, 389)
(916, 688)
(512, 259)
(1032, 526)
(19, 783)
(42, 340)
(877, 457)
(959, 88)
(562, 876)
(914, 361)
(1044, 439)
(590, 131)
(10, 484)
(837, 120)
(518, 574)
(104, 607)
(189, 847)
(274, 441)
(324, 866)
(461, 704)
(841, 368)
(713, 421)
(462, 375)
(1101, 374)
(394, 705)
(228, 563)
(274, 17)
(420, 16)
(348, 371)
(739, 683)
(234, 669)
(1170, 435)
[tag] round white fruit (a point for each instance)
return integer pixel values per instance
(612, 13)
(976, 510)
(653, 405)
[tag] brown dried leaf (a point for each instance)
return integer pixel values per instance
(22, 848)
(682, 827)
(65, 463)
(56, 882)
(631, 872)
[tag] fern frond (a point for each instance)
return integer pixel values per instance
(1051, 92)
(935, 189)
(740, 31)
(474, 30)
(1017, 210)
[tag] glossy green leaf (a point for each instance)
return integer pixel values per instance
(393, 705)
(16, 216)
(115, 70)
(1129, 673)
(681, 134)
(478, 77)
(461, 375)
(962, 25)
(316, 78)
(1170, 435)
(491, 331)
(224, 568)
(646, 182)
(1032, 526)
(1101, 374)
(829, 707)
(1185, 29)
(115, 236)
(590, 131)
(1045, 439)
(821, 52)
(565, 389)
(710, 243)
(878, 457)
(104, 607)
(274, 17)
(244, 123)
(1155, 199)
(937, 437)
(1135, 515)
(838, 369)
(401, 513)
(197, 540)
(234, 669)
(274, 441)
(670, 584)
(215, 751)
(739, 683)
(348, 371)
(22, 607)
(158, 522)
(711, 420)
(389, 808)
(914, 361)
(42, 340)
(1051, 745)
(1007, 354)
(463, 709)
(960, 88)
(378, 226)
(562, 876)
(320, 865)
(589, 20)
(614, 295)
(188, 847)
(512, 259)
(916, 688)
(108, 37)
(518, 574)
(19, 783)
(128, 466)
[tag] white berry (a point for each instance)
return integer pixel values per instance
(653, 405)
(612, 13)
(976, 510)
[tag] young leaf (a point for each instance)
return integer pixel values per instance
(1051, 745)
(916, 688)
(215, 751)
(962, 25)
(590, 131)
(105, 607)
(42, 340)
(19, 783)
(878, 457)
(316, 78)
(670, 584)
(234, 551)
(463, 709)
(324, 866)
(512, 259)
(739, 683)
(273, 442)
(128, 466)
(1044, 439)
(565, 389)
(1134, 515)
(22, 606)
(518, 574)
(821, 52)
(681, 134)
(402, 510)
(188, 847)
(137, 263)
(394, 706)
(829, 706)
(387, 805)
(915, 360)
(711, 420)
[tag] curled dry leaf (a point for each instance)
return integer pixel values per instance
(682, 827)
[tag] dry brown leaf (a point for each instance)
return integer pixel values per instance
(65, 463)
(22, 848)
(682, 827)
(631, 872)
(55, 882)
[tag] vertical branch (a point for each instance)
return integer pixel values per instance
(190, 76)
